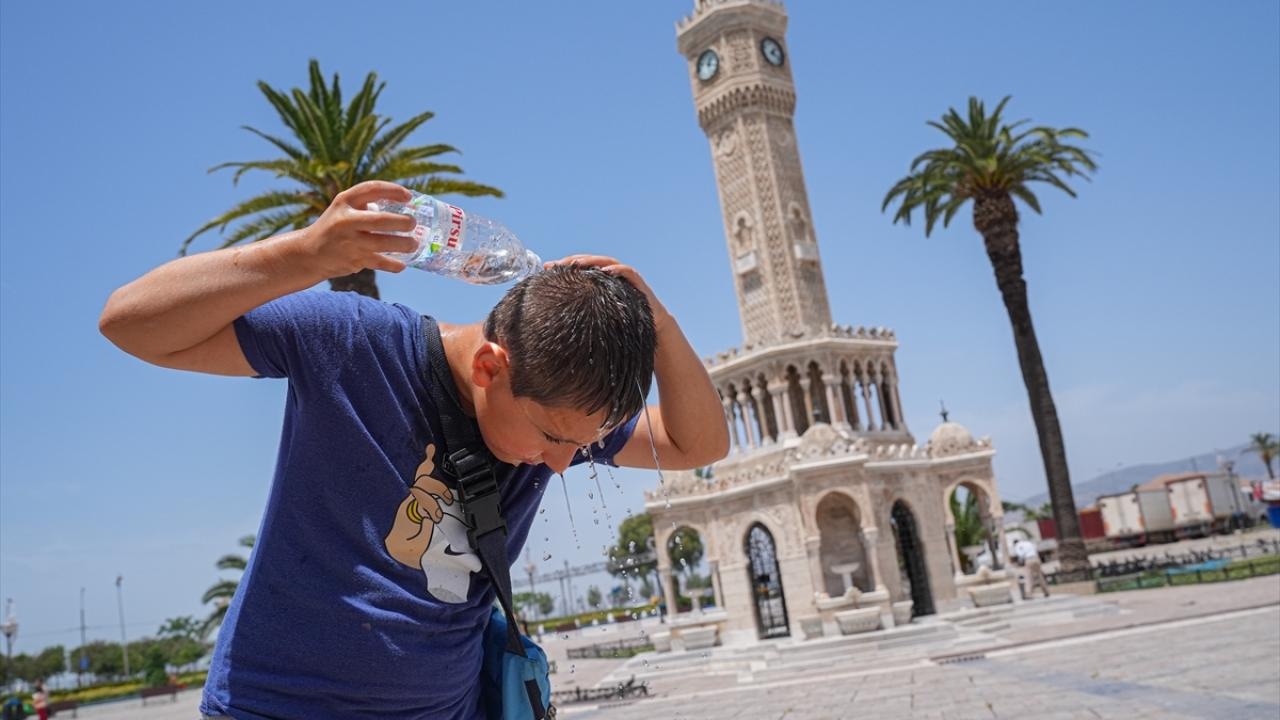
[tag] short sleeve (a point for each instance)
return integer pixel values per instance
(317, 333)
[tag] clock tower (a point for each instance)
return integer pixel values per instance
(745, 101)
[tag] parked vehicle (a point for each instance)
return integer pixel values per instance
(1137, 517)
(1205, 504)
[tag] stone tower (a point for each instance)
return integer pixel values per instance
(795, 367)
(826, 517)
(745, 99)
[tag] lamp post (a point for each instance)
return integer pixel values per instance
(84, 660)
(10, 629)
(124, 644)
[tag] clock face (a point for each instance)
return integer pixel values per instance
(708, 65)
(772, 51)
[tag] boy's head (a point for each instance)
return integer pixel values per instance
(579, 347)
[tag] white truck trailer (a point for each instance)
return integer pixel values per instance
(1137, 517)
(1205, 504)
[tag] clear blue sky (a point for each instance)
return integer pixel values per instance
(1155, 292)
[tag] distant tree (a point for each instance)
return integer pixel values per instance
(332, 148)
(221, 592)
(181, 640)
(1267, 447)
(993, 163)
(594, 597)
(541, 602)
(635, 534)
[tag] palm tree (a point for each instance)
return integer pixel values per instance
(969, 529)
(221, 592)
(332, 149)
(992, 163)
(1267, 446)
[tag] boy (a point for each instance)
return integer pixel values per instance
(363, 596)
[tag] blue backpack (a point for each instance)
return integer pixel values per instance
(513, 686)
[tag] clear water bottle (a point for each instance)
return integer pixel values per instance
(459, 244)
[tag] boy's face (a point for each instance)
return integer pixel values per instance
(518, 430)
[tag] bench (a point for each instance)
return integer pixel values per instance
(151, 692)
(621, 691)
(60, 705)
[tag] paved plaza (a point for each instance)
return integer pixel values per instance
(1205, 651)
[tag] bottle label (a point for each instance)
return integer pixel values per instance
(444, 221)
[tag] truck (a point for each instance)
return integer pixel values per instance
(1205, 504)
(1137, 517)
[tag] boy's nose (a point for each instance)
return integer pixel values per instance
(559, 458)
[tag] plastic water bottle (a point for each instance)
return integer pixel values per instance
(462, 245)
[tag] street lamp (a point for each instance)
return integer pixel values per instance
(84, 661)
(124, 644)
(10, 629)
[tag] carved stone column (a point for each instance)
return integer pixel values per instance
(782, 411)
(734, 443)
(957, 567)
(762, 417)
(714, 567)
(897, 403)
(668, 591)
(744, 403)
(808, 398)
(834, 401)
(870, 540)
(884, 415)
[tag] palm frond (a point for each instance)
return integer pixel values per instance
(987, 157)
(252, 206)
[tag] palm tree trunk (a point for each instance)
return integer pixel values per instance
(996, 218)
(363, 282)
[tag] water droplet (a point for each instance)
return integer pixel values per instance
(591, 495)
(546, 556)
(542, 511)
(572, 668)
(631, 546)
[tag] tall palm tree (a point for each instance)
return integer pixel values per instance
(221, 592)
(993, 163)
(333, 148)
(1267, 447)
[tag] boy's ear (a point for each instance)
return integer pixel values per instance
(488, 364)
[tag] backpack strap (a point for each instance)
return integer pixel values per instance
(469, 462)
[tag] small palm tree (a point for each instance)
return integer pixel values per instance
(993, 163)
(221, 592)
(1267, 447)
(332, 149)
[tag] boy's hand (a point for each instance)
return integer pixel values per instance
(661, 318)
(348, 238)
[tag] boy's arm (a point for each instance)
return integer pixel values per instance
(689, 429)
(180, 314)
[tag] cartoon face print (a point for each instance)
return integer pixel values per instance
(428, 533)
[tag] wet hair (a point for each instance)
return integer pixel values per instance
(578, 338)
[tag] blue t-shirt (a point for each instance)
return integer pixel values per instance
(363, 596)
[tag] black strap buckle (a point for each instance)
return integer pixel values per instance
(477, 491)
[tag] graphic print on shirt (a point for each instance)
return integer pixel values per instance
(428, 533)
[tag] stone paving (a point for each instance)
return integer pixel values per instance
(1207, 651)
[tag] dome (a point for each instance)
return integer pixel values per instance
(950, 438)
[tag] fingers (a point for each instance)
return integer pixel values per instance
(427, 505)
(385, 222)
(435, 487)
(361, 195)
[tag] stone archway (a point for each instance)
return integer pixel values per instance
(766, 583)
(911, 559)
(974, 526)
(842, 554)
